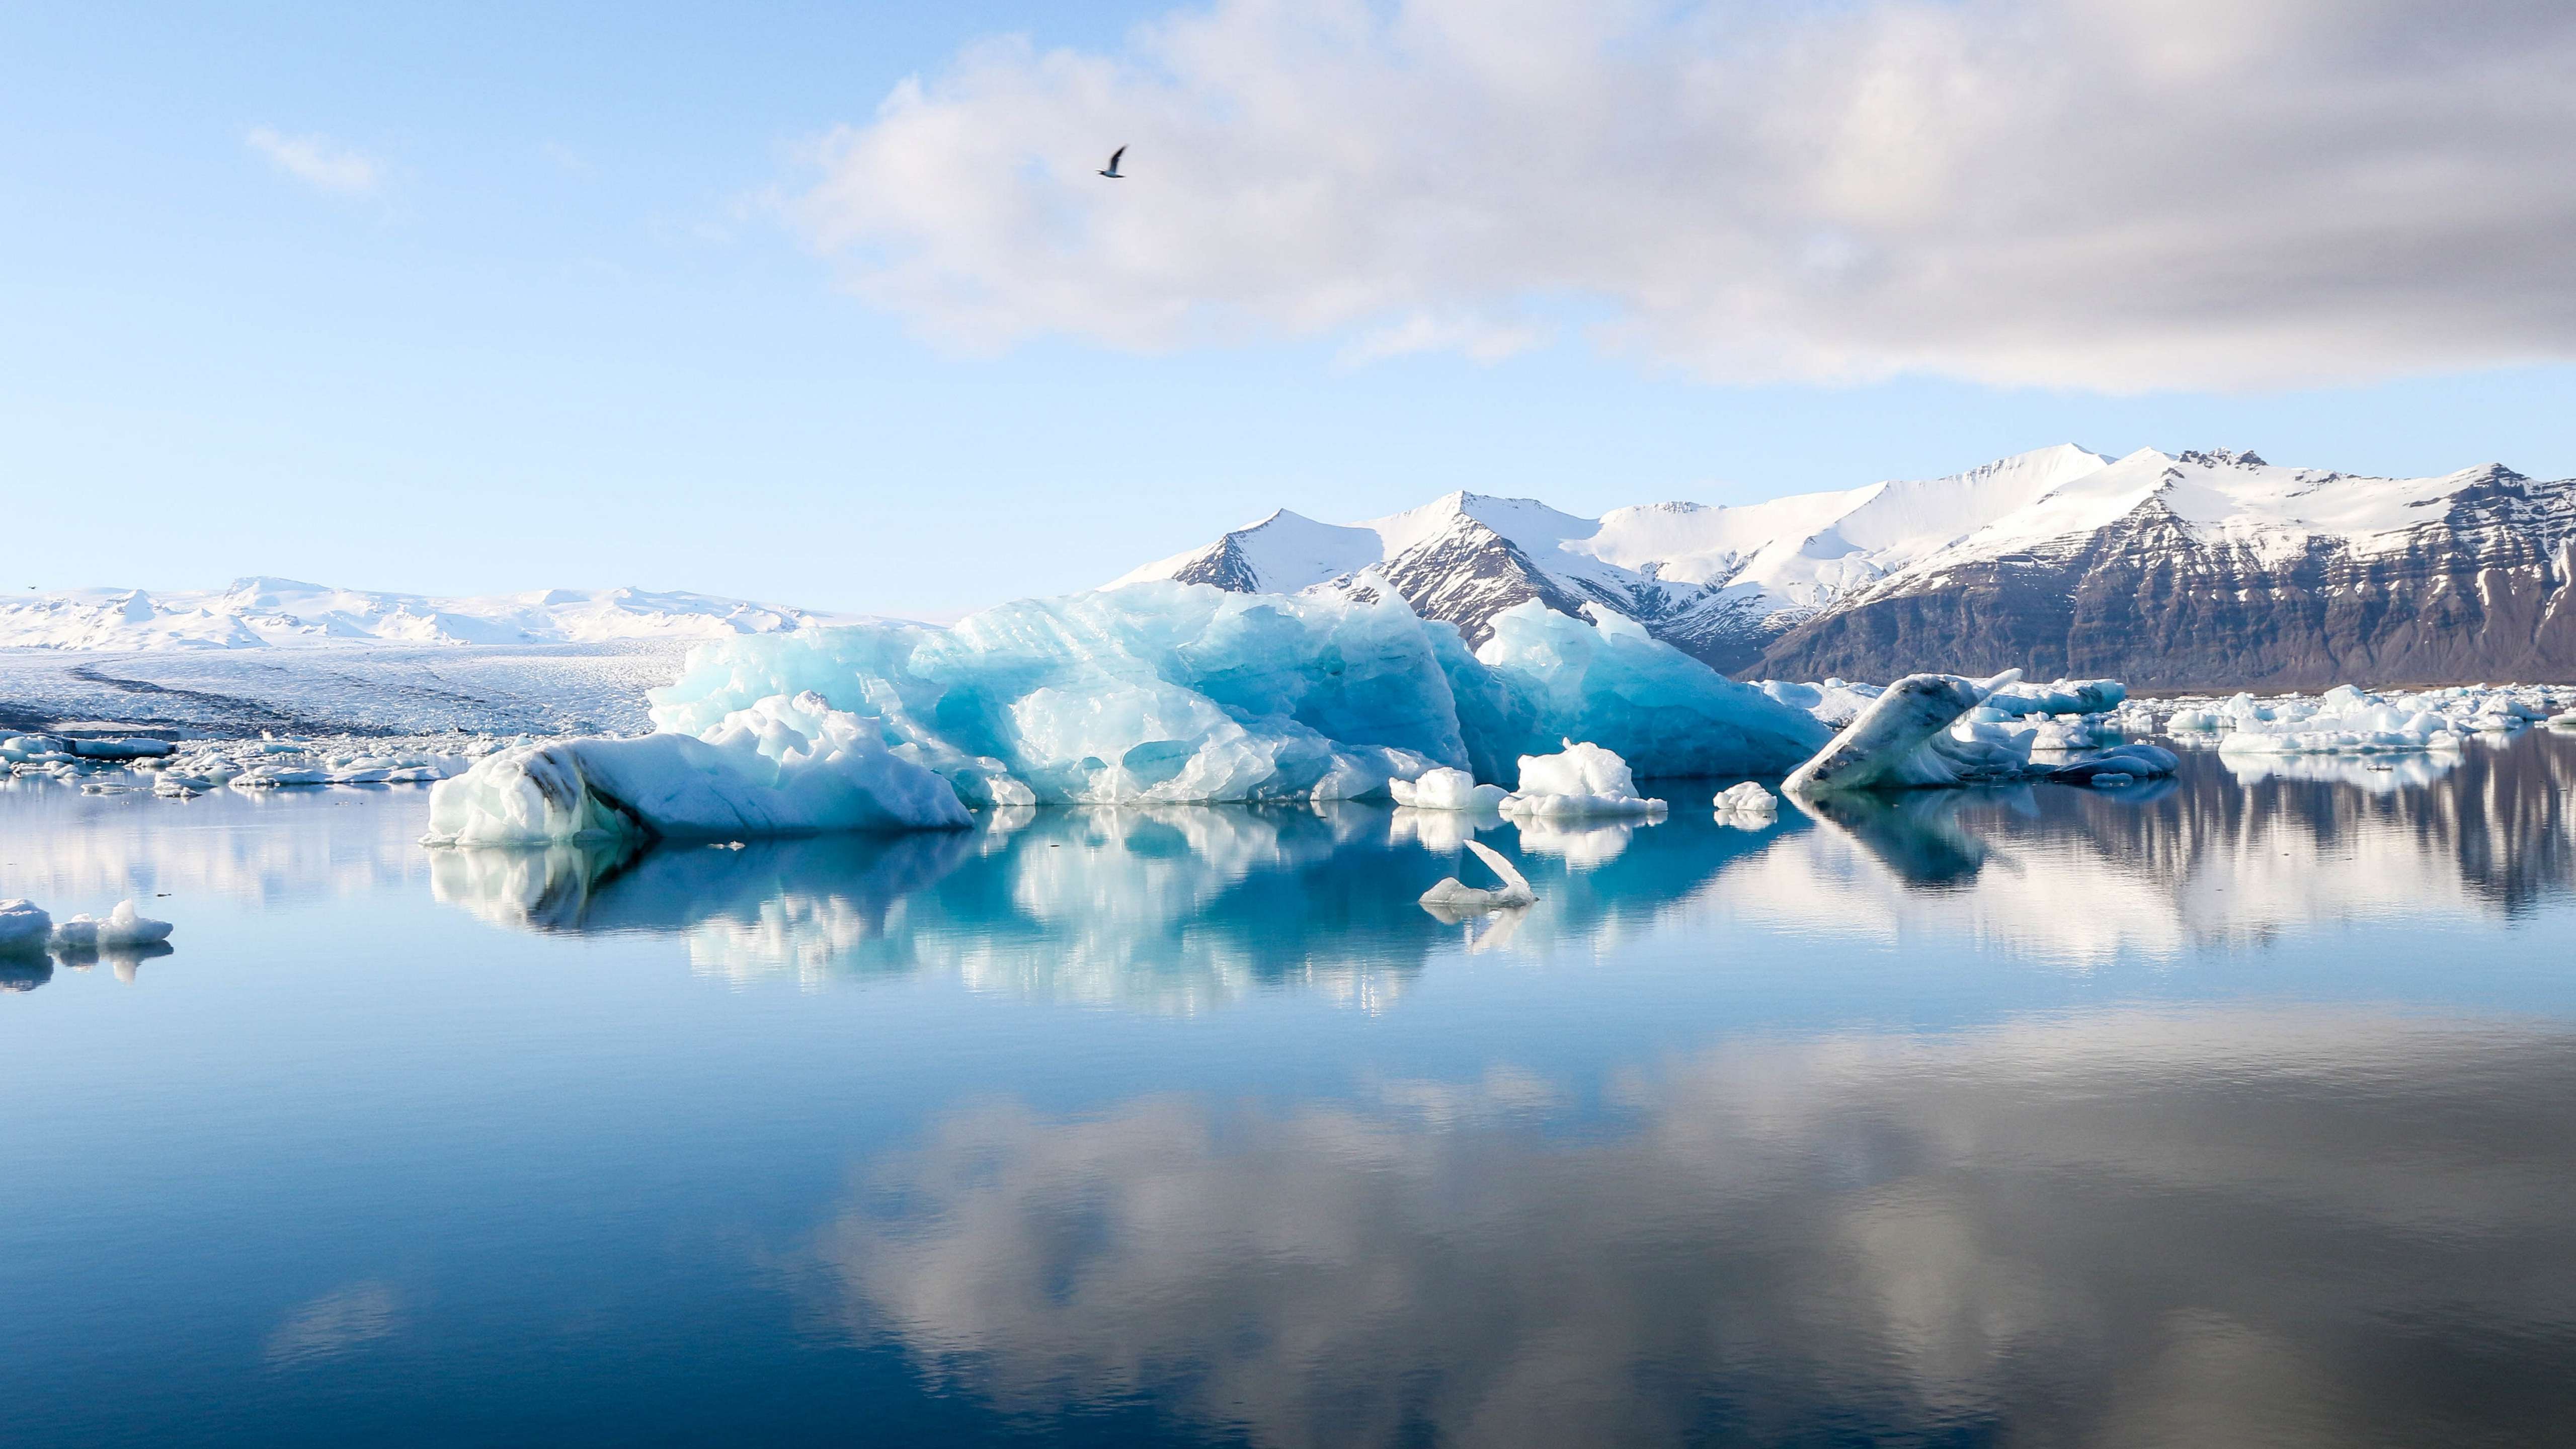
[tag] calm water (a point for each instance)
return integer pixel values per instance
(2223, 1111)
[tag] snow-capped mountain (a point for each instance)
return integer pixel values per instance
(2197, 568)
(257, 613)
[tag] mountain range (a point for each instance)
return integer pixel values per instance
(258, 613)
(2188, 570)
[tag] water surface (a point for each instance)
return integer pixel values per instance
(2234, 1109)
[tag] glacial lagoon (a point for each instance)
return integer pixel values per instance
(2238, 1107)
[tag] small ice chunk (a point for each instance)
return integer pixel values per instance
(1747, 801)
(124, 929)
(1453, 895)
(1582, 779)
(1446, 789)
(23, 927)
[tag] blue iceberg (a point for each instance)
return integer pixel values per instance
(1170, 693)
(1156, 693)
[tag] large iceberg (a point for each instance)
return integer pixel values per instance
(1178, 693)
(1158, 693)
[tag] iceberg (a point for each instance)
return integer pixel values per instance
(1926, 731)
(1903, 740)
(779, 767)
(2060, 696)
(2349, 720)
(1583, 780)
(1446, 789)
(1170, 693)
(24, 928)
(1746, 805)
(1834, 701)
(1453, 896)
(2118, 765)
(124, 929)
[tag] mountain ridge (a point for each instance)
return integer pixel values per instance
(2197, 568)
(259, 612)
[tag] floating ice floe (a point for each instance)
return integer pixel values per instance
(123, 929)
(1451, 895)
(780, 767)
(2349, 720)
(1582, 780)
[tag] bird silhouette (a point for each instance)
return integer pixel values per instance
(1111, 170)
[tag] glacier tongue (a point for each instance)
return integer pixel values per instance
(1177, 693)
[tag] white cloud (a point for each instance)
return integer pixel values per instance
(318, 161)
(2112, 194)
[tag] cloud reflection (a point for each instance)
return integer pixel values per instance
(2208, 1226)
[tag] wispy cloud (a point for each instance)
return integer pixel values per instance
(2112, 194)
(318, 161)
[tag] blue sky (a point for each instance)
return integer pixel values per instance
(564, 314)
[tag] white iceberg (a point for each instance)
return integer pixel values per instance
(1746, 804)
(2059, 696)
(1581, 780)
(1168, 693)
(780, 767)
(124, 929)
(1451, 895)
(1446, 789)
(2349, 720)
(1833, 701)
(24, 927)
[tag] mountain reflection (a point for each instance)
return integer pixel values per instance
(2210, 1226)
(1178, 908)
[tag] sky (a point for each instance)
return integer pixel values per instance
(823, 305)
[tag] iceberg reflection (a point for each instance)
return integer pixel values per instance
(2213, 1226)
(1176, 908)
(1164, 908)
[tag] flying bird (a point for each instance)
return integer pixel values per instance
(1111, 171)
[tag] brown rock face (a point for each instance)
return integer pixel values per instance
(2480, 593)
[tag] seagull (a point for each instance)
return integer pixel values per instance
(1112, 170)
